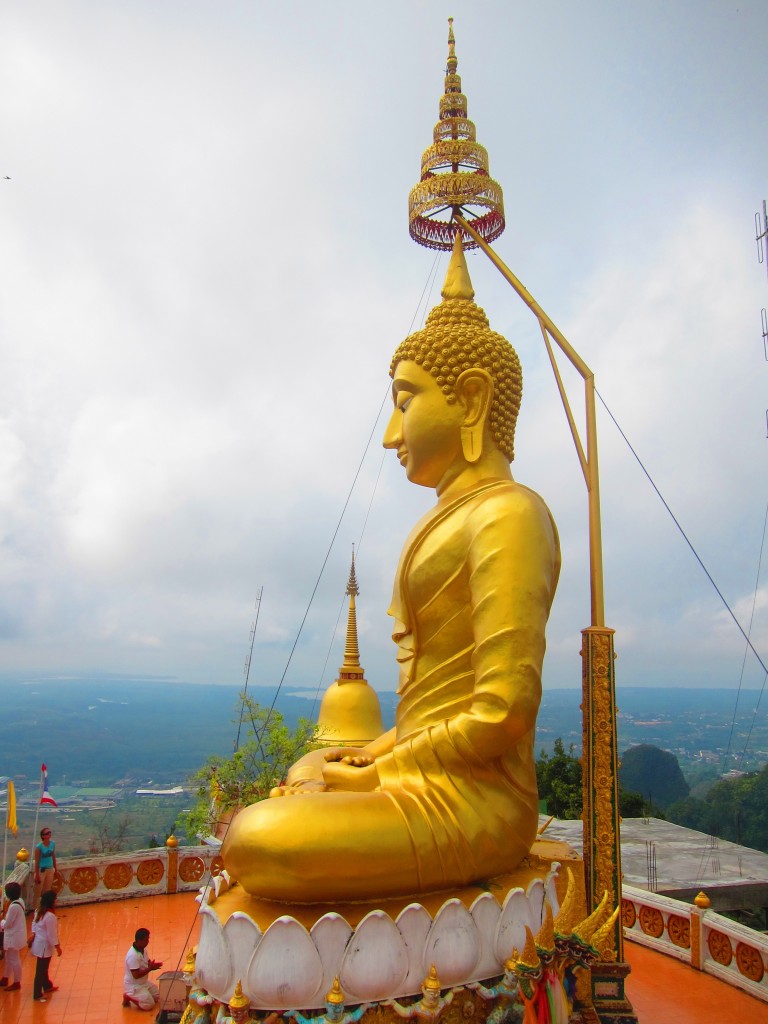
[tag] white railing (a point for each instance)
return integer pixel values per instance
(118, 876)
(707, 941)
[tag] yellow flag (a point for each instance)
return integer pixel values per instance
(11, 820)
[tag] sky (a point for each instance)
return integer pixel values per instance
(206, 268)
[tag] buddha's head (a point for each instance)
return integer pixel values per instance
(468, 382)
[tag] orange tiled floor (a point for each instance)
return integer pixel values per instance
(95, 939)
(666, 991)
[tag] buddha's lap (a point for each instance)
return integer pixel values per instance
(305, 847)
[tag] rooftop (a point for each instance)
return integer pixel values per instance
(683, 858)
(96, 936)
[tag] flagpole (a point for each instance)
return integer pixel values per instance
(5, 838)
(5, 858)
(37, 815)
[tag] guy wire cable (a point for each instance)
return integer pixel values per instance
(684, 535)
(427, 286)
(751, 620)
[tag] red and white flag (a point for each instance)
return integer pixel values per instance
(45, 796)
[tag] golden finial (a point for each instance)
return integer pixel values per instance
(432, 982)
(566, 915)
(584, 931)
(352, 587)
(452, 59)
(351, 667)
(454, 174)
(702, 901)
(335, 996)
(545, 940)
(602, 940)
(457, 283)
(239, 1000)
(529, 958)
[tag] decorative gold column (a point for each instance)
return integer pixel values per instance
(602, 851)
(600, 814)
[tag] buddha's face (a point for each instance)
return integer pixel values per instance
(424, 429)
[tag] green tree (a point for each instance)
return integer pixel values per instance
(633, 805)
(225, 784)
(653, 772)
(734, 809)
(560, 785)
(559, 778)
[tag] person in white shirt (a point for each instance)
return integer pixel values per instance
(45, 938)
(138, 990)
(14, 928)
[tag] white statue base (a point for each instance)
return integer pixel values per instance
(286, 956)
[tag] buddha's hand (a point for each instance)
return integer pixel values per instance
(299, 788)
(351, 772)
(349, 755)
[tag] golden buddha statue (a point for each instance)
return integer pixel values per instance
(448, 796)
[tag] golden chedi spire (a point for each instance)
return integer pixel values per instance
(454, 174)
(350, 713)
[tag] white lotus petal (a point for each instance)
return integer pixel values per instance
(535, 896)
(453, 944)
(213, 966)
(375, 963)
(414, 923)
(242, 936)
(330, 935)
(550, 888)
(285, 972)
(510, 933)
(486, 913)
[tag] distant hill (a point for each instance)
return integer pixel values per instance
(102, 729)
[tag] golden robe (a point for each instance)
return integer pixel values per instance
(456, 800)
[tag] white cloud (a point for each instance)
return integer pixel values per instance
(206, 268)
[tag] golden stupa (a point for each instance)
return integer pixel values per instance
(350, 713)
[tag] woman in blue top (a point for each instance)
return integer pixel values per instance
(45, 863)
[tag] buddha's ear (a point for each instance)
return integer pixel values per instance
(474, 390)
